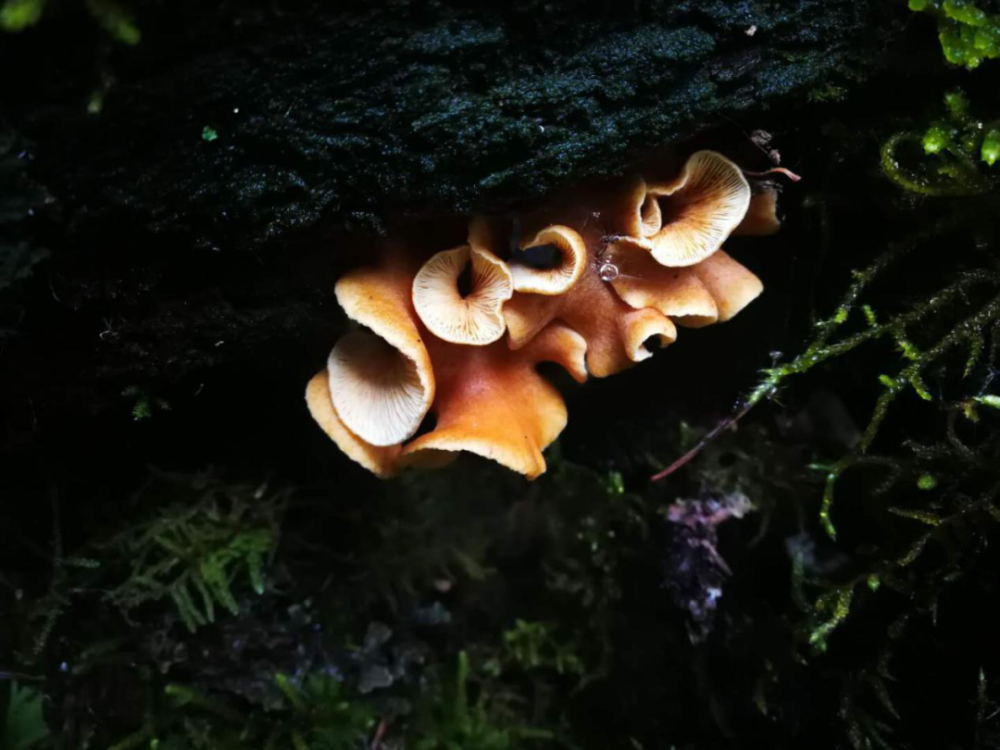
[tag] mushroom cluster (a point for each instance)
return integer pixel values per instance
(444, 357)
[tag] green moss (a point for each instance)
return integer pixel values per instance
(990, 150)
(22, 724)
(116, 20)
(191, 554)
(952, 149)
(454, 720)
(968, 34)
(17, 15)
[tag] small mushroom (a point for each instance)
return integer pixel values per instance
(475, 318)
(380, 380)
(640, 326)
(563, 273)
(492, 401)
(762, 215)
(700, 209)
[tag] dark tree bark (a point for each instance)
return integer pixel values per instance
(191, 221)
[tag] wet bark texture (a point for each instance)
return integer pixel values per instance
(191, 222)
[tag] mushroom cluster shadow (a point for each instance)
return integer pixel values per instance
(445, 351)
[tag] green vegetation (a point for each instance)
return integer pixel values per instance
(194, 553)
(115, 19)
(968, 34)
(951, 147)
(23, 726)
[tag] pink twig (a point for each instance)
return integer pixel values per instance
(780, 170)
(725, 424)
(383, 727)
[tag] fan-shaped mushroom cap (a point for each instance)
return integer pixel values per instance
(762, 216)
(557, 280)
(383, 462)
(731, 284)
(492, 401)
(675, 292)
(381, 382)
(700, 209)
(475, 319)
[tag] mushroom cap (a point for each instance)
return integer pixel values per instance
(477, 318)
(641, 325)
(676, 292)
(731, 284)
(700, 209)
(381, 381)
(381, 461)
(376, 390)
(492, 401)
(762, 215)
(591, 308)
(552, 281)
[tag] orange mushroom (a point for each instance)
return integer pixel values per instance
(475, 318)
(561, 277)
(593, 309)
(676, 292)
(640, 327)
(712, 291)
(730, 283)
(621, 263)
(493, 402)
(490, 401)
(487, 399)
(381, 381)
(699, 209)
(762, 215)
(383, 462)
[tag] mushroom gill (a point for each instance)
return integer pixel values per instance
(475, 318)
(381, 461)
(699, 209)
(381, 381)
